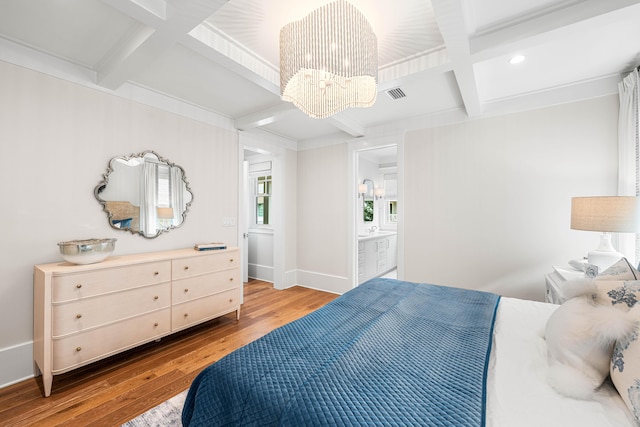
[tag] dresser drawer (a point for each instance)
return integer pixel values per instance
(194, 266)
(196, 311)
(74, 286)
(207, 284)
(98, 343)
(78, 315)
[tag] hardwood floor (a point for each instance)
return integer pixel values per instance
(115, 390)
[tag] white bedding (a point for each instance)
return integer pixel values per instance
(517, 391)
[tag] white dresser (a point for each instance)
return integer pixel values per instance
(84, 313)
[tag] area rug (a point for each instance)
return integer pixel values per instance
(166, 414)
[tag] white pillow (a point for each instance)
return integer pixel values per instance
(580, 337)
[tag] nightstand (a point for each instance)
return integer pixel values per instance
(554, 281)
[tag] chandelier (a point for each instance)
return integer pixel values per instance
(329, 61)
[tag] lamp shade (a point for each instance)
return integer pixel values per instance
(165, 213)
(329, 61)
(611, 214)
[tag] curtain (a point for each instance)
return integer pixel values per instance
(148, 212)
(628, 138)
(177, 195)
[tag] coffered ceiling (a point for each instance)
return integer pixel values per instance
(449, 57)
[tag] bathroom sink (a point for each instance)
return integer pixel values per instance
(376, 234)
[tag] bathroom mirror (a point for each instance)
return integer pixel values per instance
(367, 204)
(144, 194)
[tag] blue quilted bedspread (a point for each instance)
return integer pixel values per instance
(386, 353)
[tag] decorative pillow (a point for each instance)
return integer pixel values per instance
(621, 270)
(580, 337)
(619, 285)
(625, 367)
(620, 294)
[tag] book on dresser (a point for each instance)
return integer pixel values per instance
(84, 313)
(209, 246)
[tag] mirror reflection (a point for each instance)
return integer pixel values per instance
(367, 205)
(144, 194)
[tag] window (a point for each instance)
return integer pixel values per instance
(163, 196)
(263, 198)
(390, 181)
(163, 186)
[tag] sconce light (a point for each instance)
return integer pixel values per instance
(379, 193)
(362, 190)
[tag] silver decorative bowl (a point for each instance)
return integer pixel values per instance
(87, 251)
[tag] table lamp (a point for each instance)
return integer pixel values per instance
(608, 214)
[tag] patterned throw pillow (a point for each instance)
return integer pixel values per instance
(618, 293)
(619, 285)
(621, 270)
(625, 368)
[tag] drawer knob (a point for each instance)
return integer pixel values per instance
(231, 279)
(78, 349)
(186, 315)
(186, 290)
(155, 325)
(155, 273)
(78, 316)
(231, 260)
(78, 286)
(186, 267)
(155, 297)
(230, 299)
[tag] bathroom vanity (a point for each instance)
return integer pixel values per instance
(377, 254)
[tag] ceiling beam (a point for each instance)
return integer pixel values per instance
(531, 30)
(210, 43)
(351, 127)
(450, 18)
(153, 37)
(264, 117)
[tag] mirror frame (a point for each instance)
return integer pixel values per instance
(105, 181)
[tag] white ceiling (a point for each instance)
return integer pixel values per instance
(450, 57)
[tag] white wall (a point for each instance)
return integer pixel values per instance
(56, 139)
(323, 195)
(488, 202)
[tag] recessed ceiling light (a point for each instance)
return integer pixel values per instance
(517, 59)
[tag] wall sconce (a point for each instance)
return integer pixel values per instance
(379, 193)
(362, 190)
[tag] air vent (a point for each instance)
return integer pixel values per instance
(396, 93)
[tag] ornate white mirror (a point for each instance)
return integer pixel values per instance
(144, 194)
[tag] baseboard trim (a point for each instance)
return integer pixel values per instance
(17, 364)
(324, 282)
(261, 272)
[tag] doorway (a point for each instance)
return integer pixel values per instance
(258, 215)
(376, 213)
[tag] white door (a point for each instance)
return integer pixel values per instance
(243, 227)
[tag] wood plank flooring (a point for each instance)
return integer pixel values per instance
(115, 390)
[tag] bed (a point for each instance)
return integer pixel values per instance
(391, 352)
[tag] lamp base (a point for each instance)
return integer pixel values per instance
(605, 255)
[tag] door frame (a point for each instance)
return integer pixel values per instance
(354, 147)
